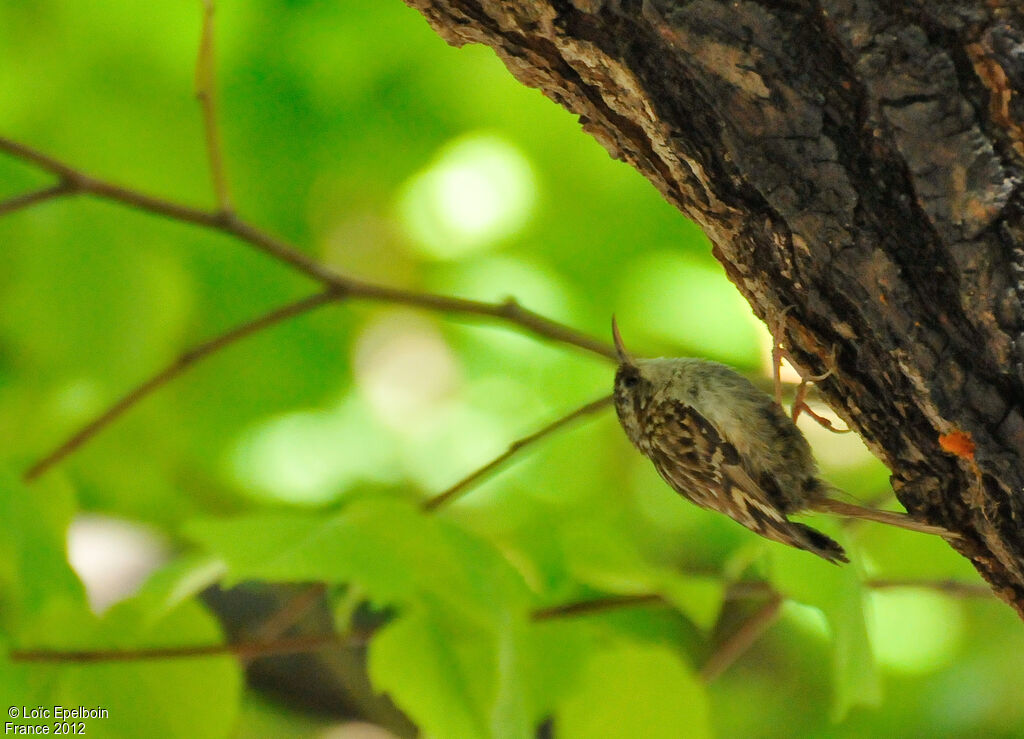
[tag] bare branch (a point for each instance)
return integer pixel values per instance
(724, 656)
(508, 311)
(280, 621)
(597, 605)
(295, 645)
(75, 181)
(36, 196)
(745, 637)
(206, 93)
(290, 613)
(173, 370)
(746, 590)
(467, 482)
(38, 159)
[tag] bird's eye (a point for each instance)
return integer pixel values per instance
(630, 381)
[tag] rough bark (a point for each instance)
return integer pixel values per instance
(857, 160)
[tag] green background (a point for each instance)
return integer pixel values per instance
(353, 131)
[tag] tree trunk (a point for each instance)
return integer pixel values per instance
(857, 160)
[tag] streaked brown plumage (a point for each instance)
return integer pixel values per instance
(725, 445)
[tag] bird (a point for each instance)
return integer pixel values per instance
(725, 445)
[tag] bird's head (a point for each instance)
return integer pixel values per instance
(633, 387)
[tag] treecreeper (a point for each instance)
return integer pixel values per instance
(724, 444)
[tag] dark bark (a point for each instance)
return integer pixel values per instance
(859, 161)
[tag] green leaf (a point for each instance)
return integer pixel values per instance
(398, 554)
(459, 681)
(45, 607)
(175, 583)
(610, 562)
(438, 675)
(537, 664)
(837, 591)
(196, 697)
(510, 678)
(697, 597)
(631, 690)
(35, 577)
(512, 713)
(556, 654)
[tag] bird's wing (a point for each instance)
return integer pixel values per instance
(693, 457)
(691, 453)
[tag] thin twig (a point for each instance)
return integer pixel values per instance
(745, 637)
(262, 648)
(597, 605)
(206, 93)
(279, 622)
(508, 311)
(289, 614)
(171, 371)
(36, 196)
(467, 482)
(294, 645)
(745, 590)
(38, 159)
(724, 656)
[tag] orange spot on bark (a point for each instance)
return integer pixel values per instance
(959, 443)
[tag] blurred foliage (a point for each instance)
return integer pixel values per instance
(354, 131)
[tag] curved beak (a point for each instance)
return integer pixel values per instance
(620, 348)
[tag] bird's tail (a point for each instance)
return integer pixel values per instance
(902, 520)
(817, 542)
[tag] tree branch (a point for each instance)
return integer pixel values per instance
(206, 93)
(290, 613)
(294, 645)
(73, 181)
(724, 656)
(892, 229)
(284, 618)
(179, 366)
(596, 605)
(508, 311)
(473, 478)
(751, 589)
(745, 637)
(36, 196)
